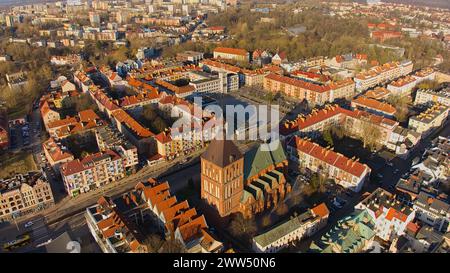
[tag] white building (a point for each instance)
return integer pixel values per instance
(295, 229)
(389, 215)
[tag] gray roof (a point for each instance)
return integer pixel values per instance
(283, 229)
(60, 244)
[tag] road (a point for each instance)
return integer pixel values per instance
(68, 214)
(389, 180)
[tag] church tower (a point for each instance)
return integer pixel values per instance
(222, 176)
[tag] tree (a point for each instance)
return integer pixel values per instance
(370, 134)
(282, 209)
(159, 124)
(428, 84)
(172, 246)
(266, 221)
(242, 227)
(149, 113)
(153, 243)
(328, 137)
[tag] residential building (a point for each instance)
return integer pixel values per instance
(378, 93)
(349, 173)
(295, 229)
(374, 106)
(383, 73)
(303, 90)
(56, 154)
(16, 80)
(112, 230)
(433, 211)
(403, 86)
(109, 138)
(91, 172)
(430, 96)
(432, 118)
(23, 194)
(236, 54)
(389, 215)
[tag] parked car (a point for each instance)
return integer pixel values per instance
(28, 224)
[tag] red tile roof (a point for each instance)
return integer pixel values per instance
(131, 123)
(76, 166)
(229, 50)
(298, 83)
(337, 160)
(375, 105)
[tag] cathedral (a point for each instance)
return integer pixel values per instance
(248, 183)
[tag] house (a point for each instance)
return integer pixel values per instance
(390, 216)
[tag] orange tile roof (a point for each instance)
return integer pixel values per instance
(298, 83)
(55, 152)
(393, 213)
(378, 93)
(230, 50)
(321, 210)
(131, 123)
(337, 160)
(374, 104)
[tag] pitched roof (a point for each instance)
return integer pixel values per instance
(375, 105)
(257, 160)
(229, 50)
(222, 152)
(337, 160)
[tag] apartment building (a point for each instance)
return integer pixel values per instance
(389, 215)
(432, 118)
(382, 73)
(403, 86)
(430, 96)
(109, 138)
(424, 74)
(236, 54)
(24, 194)
(55, 153)
(378, 93)
(295, 229)
(85, 120)
(91, 172)
(313, 93)
(374, 106)
(433, 211)
(116, 223)
(112, 230)
(349, 173)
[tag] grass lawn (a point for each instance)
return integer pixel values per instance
(13, 163)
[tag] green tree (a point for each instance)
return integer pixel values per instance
(328, 137)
